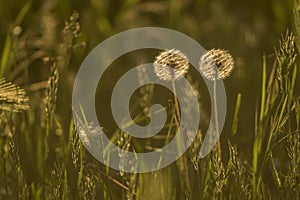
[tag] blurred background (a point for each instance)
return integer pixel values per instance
(247, 29)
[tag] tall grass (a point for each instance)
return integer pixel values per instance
(42, 157)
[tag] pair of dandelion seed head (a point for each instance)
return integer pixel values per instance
(215, 64)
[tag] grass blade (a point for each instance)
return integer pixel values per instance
(236, 113)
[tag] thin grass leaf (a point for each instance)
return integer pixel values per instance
(6, 56)
(236, 114)
(272, 94)
(36, 191)
(25, 9)
(293, 80)
(256, 151)
(297, 113)
(263, 89)
(296, 21)
(65, 189)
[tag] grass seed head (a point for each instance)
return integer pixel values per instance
(286, 58)
(12, 97)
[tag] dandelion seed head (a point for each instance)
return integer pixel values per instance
(216, 64)
(171, 58)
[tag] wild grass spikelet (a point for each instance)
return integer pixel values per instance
(12, 97)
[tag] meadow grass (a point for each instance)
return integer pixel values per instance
(42, 156)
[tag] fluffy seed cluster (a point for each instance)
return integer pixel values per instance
(216, 64)
(171, 58)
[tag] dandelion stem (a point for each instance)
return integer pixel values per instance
(177, 121)
(216, 116)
